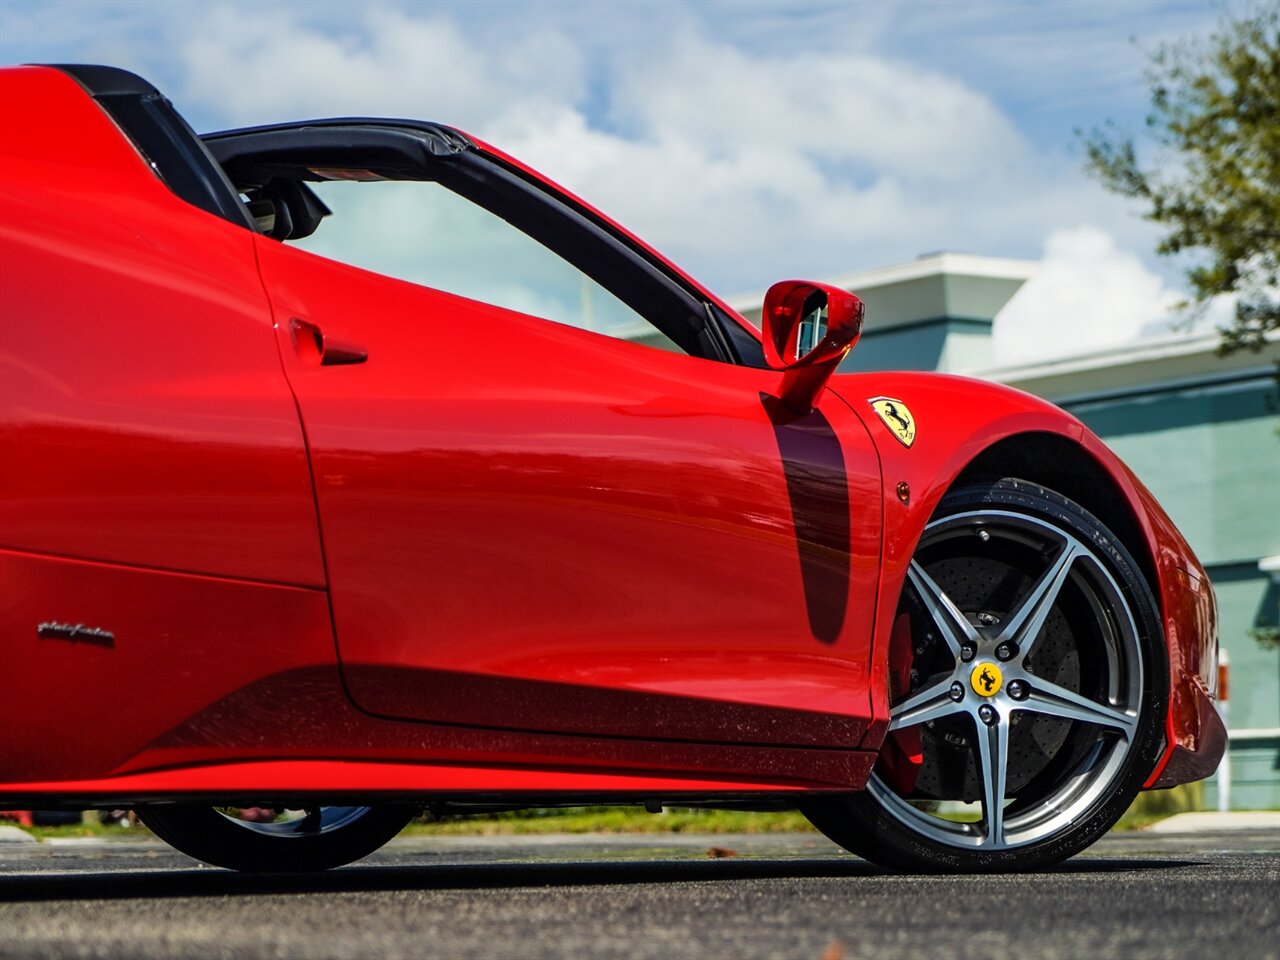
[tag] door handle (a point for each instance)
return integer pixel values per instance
(313, 345)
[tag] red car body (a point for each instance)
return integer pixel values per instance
(533, 562)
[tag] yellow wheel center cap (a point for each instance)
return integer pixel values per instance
(986, 679)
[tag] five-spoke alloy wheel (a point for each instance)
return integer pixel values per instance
(1027, 686)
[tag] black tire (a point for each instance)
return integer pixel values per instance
(324, 838)
(1055, 734)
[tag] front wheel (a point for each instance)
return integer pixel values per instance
(1028, 682)
(273, 840)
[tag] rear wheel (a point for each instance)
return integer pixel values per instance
(274, 840)
(1028, 683)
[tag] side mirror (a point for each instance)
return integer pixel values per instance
(808, 330)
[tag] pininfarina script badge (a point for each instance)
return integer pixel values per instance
(896, 417)
(76, 633)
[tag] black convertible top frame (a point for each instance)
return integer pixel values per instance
(415, 150)
(163, 138)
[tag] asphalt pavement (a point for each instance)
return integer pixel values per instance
(1212, 894)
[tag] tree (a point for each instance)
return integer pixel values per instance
(1215, 111)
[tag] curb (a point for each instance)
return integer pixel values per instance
(1210, 822)
(11, 834)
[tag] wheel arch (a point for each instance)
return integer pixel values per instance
(1035, 441)
(1061, 464)
(968, 429)
(1091, 475)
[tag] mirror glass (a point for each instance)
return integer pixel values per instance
(813, 323)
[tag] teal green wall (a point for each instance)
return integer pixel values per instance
(925, 345)
(1211, 455)
(1248, 599)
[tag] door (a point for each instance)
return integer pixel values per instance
(530, 525)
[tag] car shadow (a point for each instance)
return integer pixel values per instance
(207, 882)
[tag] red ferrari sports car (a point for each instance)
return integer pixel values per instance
(352, 469)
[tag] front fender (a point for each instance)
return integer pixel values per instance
(956, 420)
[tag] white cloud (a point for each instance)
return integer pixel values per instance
(385, 62)
(854, 109)
(1086, 294)
(750, 168)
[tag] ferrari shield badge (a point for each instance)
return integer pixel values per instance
(897, 418)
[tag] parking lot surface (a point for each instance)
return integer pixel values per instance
(1201, 895)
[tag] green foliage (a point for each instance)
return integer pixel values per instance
(1152, 805)
(1215, 112)
(614, 820)
(1268, 638)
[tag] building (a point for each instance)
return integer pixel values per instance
(1201, 431)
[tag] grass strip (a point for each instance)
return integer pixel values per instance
(577, 820)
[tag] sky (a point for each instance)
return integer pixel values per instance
(749, 141)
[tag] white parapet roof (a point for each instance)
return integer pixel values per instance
(924, 266)
(1170, 359)
(957, 264)
(923, 273)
